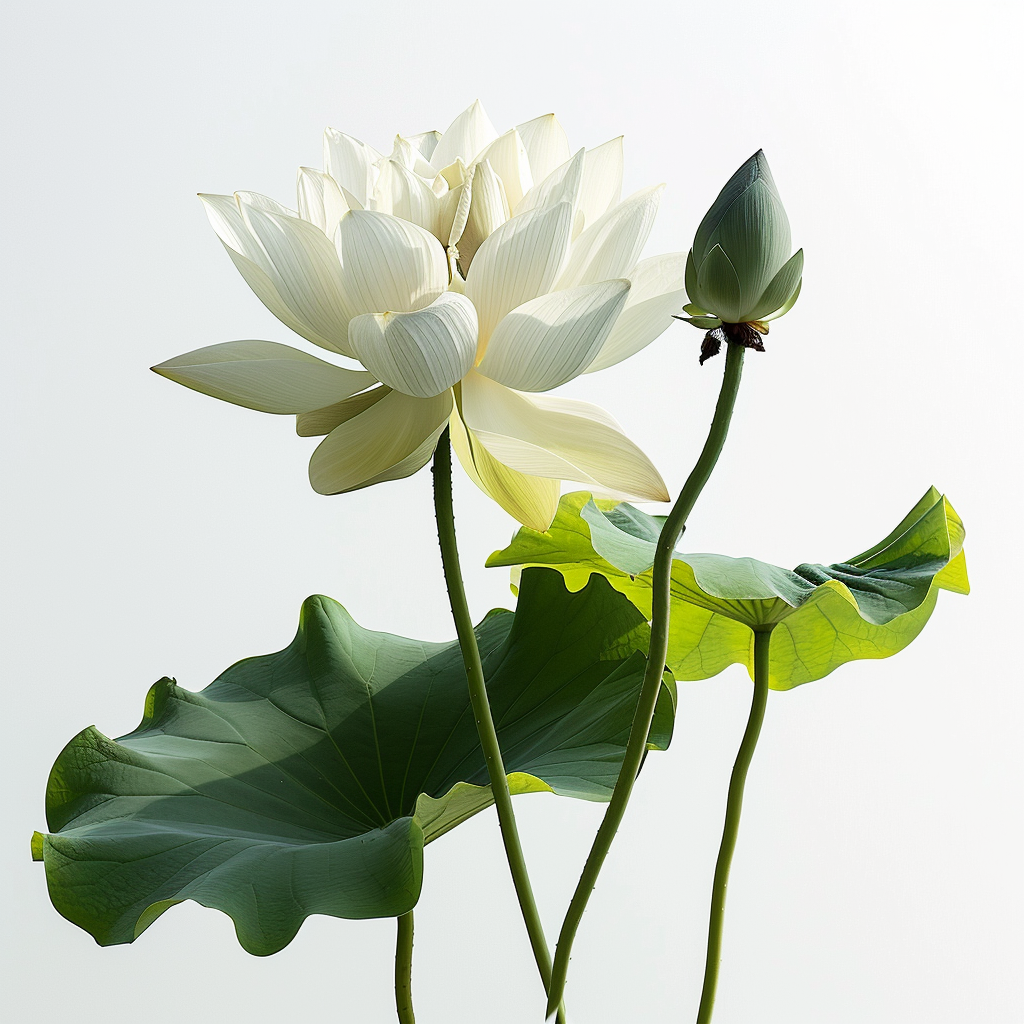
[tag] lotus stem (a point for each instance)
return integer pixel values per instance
(445, 514)
(403, 970)
(657, 655)
(734, 805)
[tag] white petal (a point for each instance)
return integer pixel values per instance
(405, 153)
(468, 134)
(226, 219)
(252, 263)
(439, 185)
(557, 438)
(602, 181)
(488, 209)
(266, 291)
(454, 173)
(264, 375)
(562, 185)
(611, 245)
(321, 201)
(532, 500)
(553, 338)
(350, 163)
(351, 201)
(389, 265)
(519, 261)
(657, 292)
(321, 422)
(454, 214)
(261, 202)
(421, 353)
(507, 156)
(402, 194)
(381, 443)
(305, 271)
(546, 145)
(424, 143)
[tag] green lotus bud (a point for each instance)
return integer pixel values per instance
(740, 273)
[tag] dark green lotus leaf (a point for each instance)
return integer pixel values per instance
(308, 781)
(821, 616)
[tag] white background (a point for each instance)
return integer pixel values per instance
(148, 530)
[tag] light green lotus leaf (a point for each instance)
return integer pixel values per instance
(308, 781)
(821, 616)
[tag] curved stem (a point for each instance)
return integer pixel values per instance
(482, 710)
(403, 970)
(636, 746)
(762, 642)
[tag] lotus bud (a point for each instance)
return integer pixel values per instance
(740, 273)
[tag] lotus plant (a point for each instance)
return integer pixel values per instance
(455, 282)
(469, 273)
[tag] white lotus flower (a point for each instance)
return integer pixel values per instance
(468, 272)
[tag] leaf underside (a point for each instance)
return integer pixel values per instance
(308, 781)
(821, 616)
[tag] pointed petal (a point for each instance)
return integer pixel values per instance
(389, 265)
(262, 202)
(546, 145)
(519, 261)
(705, 323)
(378, 443)
(401, 193)
(532, 500)
(322, 421)
(350, 163)
(413, 462)
(421, 353)
(789, 304)
(602, 182)
(611, 246)
(321, 201)
(266, 291)
(696, 303)
(226, 219)
(305, 270)
(561, 185)
(782, 287)
(252, 263)
(467, 135)
(405, 153)
(553, 338)
(455, 205)
(264, 375)
(488, 210)
(351, 201)
(557, 438)
(424, 143)
(719, 287)
(656, 293)
(507, 157)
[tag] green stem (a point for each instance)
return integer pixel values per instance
(403, 970)
(636, 745)
(482, 710)
(762, 643)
